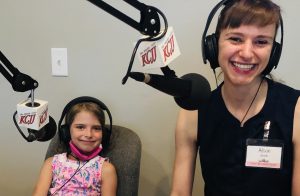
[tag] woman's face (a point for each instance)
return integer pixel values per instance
(86, 131)
(244, 52)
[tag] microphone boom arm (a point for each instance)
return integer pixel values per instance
(20, 82)
(149, 22)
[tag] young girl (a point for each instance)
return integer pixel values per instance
(79, 171)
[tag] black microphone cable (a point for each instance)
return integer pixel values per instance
(30, 137)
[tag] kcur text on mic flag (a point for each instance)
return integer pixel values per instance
(32, 117)
(156, 54)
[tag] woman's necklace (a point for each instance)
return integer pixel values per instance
(241, 122)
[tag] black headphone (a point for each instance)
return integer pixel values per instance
(210, 44)
(64, 129)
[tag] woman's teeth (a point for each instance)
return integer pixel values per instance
(244, 66)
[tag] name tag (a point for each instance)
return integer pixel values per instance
(264, 153)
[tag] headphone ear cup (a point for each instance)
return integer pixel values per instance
(106, 133)
(274, 58)
(64, 132)
(211, 50)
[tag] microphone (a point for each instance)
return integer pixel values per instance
(189, 91)
(34, 116)
(44, 134)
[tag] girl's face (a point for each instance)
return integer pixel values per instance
(244, 52)
(86, 131)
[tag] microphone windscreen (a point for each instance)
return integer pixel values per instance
(177, 87)
(200, 92)
(173, 86)
(137, 76)
(189, 91)
(47, 132)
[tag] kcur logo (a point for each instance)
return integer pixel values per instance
(149, 56)
(43, 116)
(159, 53)
(169, 48)
(27, 119)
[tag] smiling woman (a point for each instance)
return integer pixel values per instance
(228, 129)
(244, 52)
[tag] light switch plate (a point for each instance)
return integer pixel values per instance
(59, 59)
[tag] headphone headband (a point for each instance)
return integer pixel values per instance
(78, 100)
(84, 99)
(208, 21)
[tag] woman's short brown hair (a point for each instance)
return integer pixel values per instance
(248, 12)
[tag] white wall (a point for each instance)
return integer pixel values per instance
(99, 49)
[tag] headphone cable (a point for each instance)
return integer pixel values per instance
(77, 170)
(215, 77)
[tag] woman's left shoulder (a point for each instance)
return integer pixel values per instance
(296, 132)
(297, 110)
(283, 91)
(282, 86)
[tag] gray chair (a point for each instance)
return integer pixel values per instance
(124, 153)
